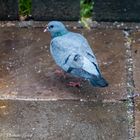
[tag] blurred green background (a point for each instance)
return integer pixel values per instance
(24, 7)
(86, 8)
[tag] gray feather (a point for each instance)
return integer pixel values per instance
(73, 54)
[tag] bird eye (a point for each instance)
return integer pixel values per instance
(51, 26)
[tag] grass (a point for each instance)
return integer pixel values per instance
(24, 7)
(86, 13)
(86, 8)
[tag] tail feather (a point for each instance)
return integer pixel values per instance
(99, 82)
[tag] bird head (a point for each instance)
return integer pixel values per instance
(56, 28)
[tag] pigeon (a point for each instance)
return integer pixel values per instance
(71, 52)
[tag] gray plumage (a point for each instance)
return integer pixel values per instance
(73, 54)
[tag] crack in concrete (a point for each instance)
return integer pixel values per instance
(130, 84)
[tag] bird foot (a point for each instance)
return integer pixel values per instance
(74, 84)
(60, 73)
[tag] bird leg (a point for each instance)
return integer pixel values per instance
(77, 83)
(60, 73)
(74, 84)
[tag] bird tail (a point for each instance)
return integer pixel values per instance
(99, 82)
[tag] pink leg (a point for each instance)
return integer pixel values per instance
(60, 73)
(74, 84)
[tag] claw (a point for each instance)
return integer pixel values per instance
(60, 73)
(74, 84)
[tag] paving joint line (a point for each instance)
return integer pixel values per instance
(72, 24)
(130, 84)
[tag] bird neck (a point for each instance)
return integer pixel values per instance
(60, 33)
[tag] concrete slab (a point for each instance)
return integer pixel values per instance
(136, 73)
(62, 120)
(136, 62)
(27, 69)
(137, 119)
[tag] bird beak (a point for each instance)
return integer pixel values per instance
(46, 29)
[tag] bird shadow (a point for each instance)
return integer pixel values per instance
(59, 85)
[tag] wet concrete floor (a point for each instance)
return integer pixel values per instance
(136, 72)
(36, 103)
(28, 71)
(63, 120)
